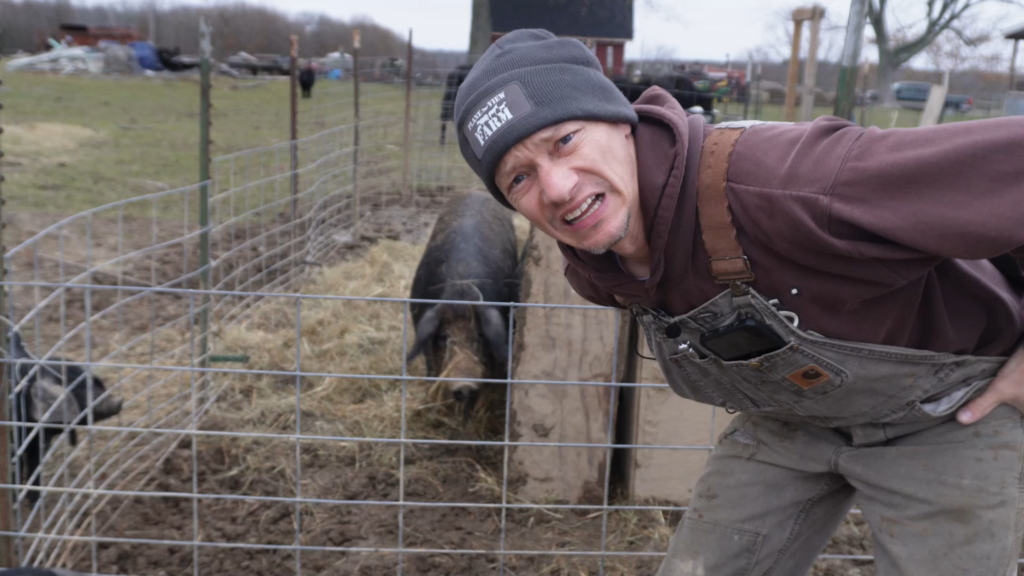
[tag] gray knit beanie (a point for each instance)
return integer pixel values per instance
(526, 81)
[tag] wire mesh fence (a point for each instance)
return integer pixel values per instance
(269, 225)
(293, 436)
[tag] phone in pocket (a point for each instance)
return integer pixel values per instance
(744, 339)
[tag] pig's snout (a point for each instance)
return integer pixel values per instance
(107, 407)
(466, 394)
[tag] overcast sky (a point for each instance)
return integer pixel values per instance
(687, 29)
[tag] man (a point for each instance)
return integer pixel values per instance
(854, 294)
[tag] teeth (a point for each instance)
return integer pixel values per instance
(589, 206)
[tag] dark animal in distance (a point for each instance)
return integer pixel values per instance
(470, 256)
(451, 88)
(43, 390)
(307, 77)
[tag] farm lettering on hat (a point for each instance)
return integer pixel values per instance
(499, 110)
(526, 81)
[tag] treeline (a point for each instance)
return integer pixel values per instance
(26, 24)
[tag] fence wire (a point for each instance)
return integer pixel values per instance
(300, 440)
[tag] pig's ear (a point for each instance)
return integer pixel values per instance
(425, 330)
(492, 325)
(47, 393)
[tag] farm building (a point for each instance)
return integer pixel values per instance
(83, 35)
(603, 25)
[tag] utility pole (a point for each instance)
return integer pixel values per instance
(851, 56)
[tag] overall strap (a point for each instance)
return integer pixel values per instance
(728, 264)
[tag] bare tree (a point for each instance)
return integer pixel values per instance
(898, 44)
(969, 48)
(665, 10)
(237, 25)
(779, 34)
(657, 59)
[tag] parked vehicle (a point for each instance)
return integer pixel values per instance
(913, 92)
(959, 103)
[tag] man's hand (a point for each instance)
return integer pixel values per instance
(1006, 388)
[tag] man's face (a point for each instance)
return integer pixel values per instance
(577, 182)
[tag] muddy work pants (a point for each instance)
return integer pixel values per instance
(943, 501)
(825, 424)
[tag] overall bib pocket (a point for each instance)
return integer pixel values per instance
(786, 379)
(780, 380)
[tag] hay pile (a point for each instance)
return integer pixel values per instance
(341, 337)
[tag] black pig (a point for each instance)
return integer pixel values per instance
(44, 390)
(451, 88)
(471, 256)
(307, 77)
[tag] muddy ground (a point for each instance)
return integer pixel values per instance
(455, 479)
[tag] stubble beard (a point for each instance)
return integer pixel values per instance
(599, 250)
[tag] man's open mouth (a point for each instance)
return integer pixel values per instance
(589, 206)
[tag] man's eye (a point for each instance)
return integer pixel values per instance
(566, 139)
(518, 179)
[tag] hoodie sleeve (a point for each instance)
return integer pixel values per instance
(924, 194)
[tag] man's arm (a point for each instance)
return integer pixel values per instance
(949, 191)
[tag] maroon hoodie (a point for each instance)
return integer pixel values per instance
(874, 236)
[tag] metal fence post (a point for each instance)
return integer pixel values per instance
(355, 137)
(850, 58)
(864, 95)
(6, 542)
(748, 79)
(408, 109)
(293, 134)
(206, 50)
(757, 102)
(1013, 66)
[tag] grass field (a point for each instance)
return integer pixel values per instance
(73, 143)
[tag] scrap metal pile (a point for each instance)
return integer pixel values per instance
(112, 58)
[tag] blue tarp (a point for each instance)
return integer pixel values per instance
(145, 53)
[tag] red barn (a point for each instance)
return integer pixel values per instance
(603, 25)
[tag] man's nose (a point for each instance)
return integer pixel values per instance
(557, 183)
